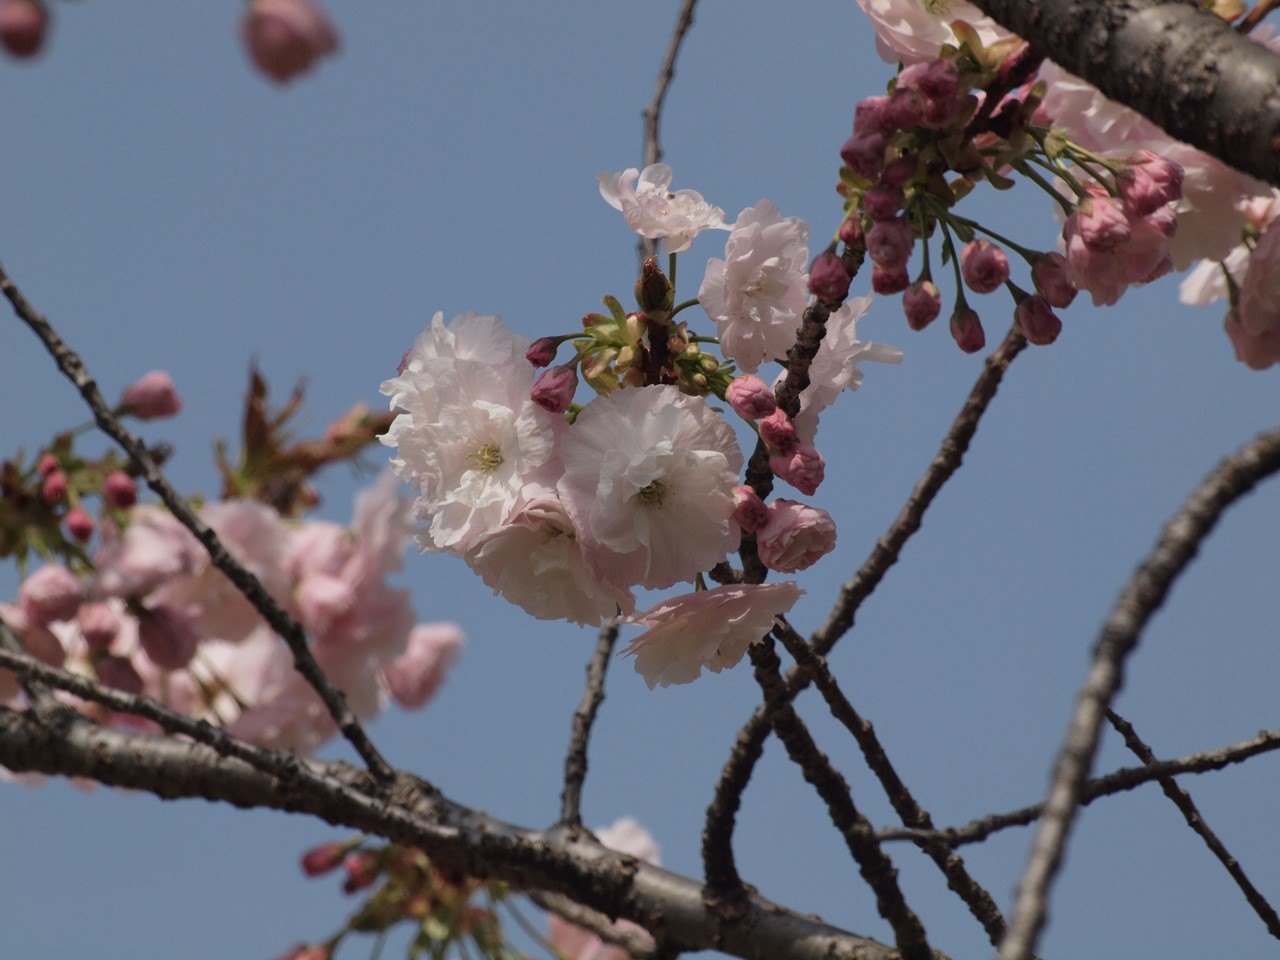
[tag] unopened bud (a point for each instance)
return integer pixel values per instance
(152, 396)
(984, 266)
(54, 488)
(119, 490)
(828, 279)
(751, 398)
(80, 524)
(1038, 322)
(804, 468)
(542, 351)
(779, 433)
(324, 859)
(749, 511)
(922, 303)
(966, 330)
(23, 25)
(554, 390)
(654, 292)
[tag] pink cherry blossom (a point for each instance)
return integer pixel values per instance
(648, 482)
(922, 303)
(152, 396)
(554, 390)
(51, 593)
(749, 511)
(1258, 311)
(1049, 273)
(984, 266)
(1257, 351)
(654, 211)
(795, 536)
(912, 31)
(751, 397)
(709, 629)
(413, 678)
(804, 468)
(285, 37)
(756, 293)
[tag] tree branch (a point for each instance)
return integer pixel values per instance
(1187, 71)
(575, 761)
(277, 617)
(1145, 593)
(564, 862)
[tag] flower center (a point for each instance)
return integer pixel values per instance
(653, 494)
(487, 459)
(937, 7)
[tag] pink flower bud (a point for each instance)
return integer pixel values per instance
(889, 280)
(152, 396)
(47, 464)
(850, 230)
(905, 110)
(966, 330)
(54, 488)
(1163, 219)
(984, 266)
(899, 170)
(168, 636)
(542, 351)
(99, 625)
(804, 469)
(889, 243)
(362, 871)
(1049, 274)
(554, 390)
(882, 202)
(119, 674)
(285, 37)
(51, 593)
(779, 433)
(80, 524)
(863, 153)
(1038, 322)
(868, 116)
(119, 490)
(323, 859)
(23, 24)
(1101, 223)
(795, 537)
(751, 397)
(828, 279)
(1149, 183)
(749, 511)
(922, 303)
(937, 80)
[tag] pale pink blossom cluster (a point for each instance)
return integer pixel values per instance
(573, 942)
(159, 619)
(911, 31)
(655, 211)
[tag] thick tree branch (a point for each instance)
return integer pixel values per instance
(1142, 597)
(560, 861)
(1188, 71)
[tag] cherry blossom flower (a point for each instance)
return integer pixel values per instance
(709, 629)
(795, 536)
(648, 480)
(575, 943)
(758, 292)
(654, 211)
(285, 37)
(51, 593)
(413, 678)
(152, 396)
(912, 31)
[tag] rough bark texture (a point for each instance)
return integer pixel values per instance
(1185, 70)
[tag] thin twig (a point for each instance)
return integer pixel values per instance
(975, 897)
(1119, 781)
(1256, 15)
(638, 945)
(1182, 800)
(1145, 593)
(279, 619)
(653, 112)
(873, 864)
(717, 833)
(575, 761)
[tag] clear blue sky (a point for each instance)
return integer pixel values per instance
(166, 207)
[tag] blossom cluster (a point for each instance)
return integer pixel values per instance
(147, 613)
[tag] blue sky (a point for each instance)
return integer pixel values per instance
(166, 207)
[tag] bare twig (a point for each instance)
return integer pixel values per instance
(1182, 800)
(1256, 15)
(575, 761)
(1144, 594)
(1126, 778)
(276, 616)
(874, 865)
(717, 834)
(978, 900)
(636, 944)
(653, 112)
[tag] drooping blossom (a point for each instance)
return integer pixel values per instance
(648, 480)
(804, 468)
(795, 536)
(1109, 250)
(285, 38)
(911, 31)
(709, 629)
(654, 211)
(626, 836)
(984, 266)
(757, 293)
(1039, 324)
(1254, 324)
(835, 367)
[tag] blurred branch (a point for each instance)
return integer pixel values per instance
(575, 761)
(1182, 800)
(653, 112)
(1126, 778)
(636, 944)
(670, 906)
(978, 900)
(276, 616)
(1202, 82)
(717, 834)
(873, 864)
(1142, 597)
